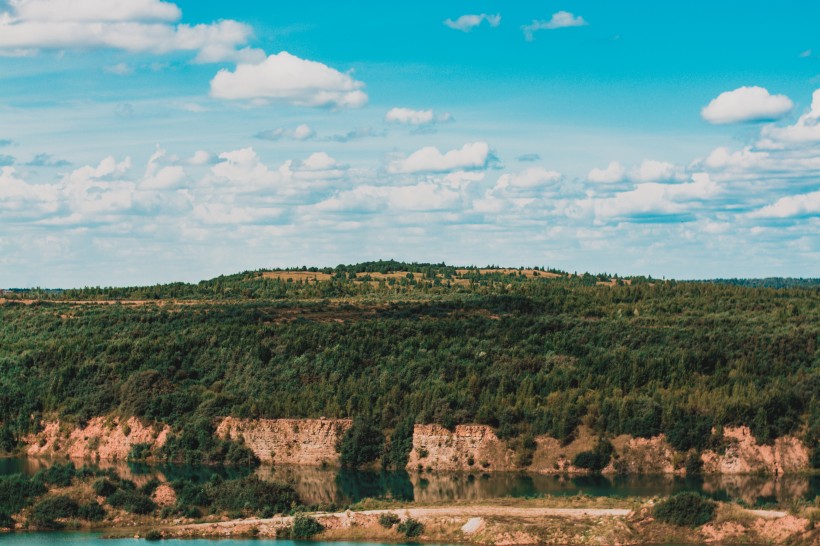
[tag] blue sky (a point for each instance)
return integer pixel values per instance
(145, 141)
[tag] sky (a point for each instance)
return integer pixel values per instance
(147, 141)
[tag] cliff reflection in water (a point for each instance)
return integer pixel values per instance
(342, 486)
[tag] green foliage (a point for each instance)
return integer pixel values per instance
(132, 501)
(389, 519)
(815, 457)
(59, 475)
(410, 528)
(362, 444)
(305, 527)
(595, 460)
(91, 512)
(252, 496)
(685, 509)
(45, 512)
(526, 355)
(103, 487)
(153, 535)
(398, 449)
(6, 521)
(693, 465)
(18, 491)
(139, 452)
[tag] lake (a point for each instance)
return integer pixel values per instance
(341, 487)
(91, 539)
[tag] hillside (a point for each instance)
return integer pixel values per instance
(527, 352)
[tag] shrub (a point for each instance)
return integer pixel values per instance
(362, 444)
(47, 510)
(815, 457)
(388, 520)
(91, 512)
(305, 527)
(18, 491)
(410, 528)
(694, 465)
(60, 475)
(5, 521)
(151, 486)
(689, 431)
(103, 487)
(139, 452)
(685, 509)
(596, 459)
(252, 495)
(132, 501)
(153, 535)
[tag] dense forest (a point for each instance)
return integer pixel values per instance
(529, 352)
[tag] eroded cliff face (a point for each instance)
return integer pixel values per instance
(468, 448)
(107, 439)
(288, 441)
(743, 455)
(477, 448)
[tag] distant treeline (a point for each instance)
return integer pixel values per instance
(529, 356)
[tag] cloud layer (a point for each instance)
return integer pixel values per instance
(746, 104)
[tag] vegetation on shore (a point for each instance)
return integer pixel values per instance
(390, 344)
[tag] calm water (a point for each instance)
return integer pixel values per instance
(341, 487)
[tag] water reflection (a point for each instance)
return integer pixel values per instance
(342, 486)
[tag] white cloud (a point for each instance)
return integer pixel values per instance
(28, 26)
(746, 104)
(535, 177)
(475, 155)
(119, 69)
(805, 130)
(466, 23)
(421, 197)
(408, 116)
(560, 19)
(288, 78)
(657, 171)
(300, 132)
(613, 173)
(653, 199)
(807, 204)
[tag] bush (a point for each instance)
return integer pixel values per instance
(595, 460)
(139, 452)
(815, 457)
(411, 528)
(5, 521)
(60, 475)
(47, 510)
(305, 527)
(151, 486)
(694, 465)
(685, 509)
(132, 501)
(103, 488)
(91, 512)
(252, 495)
(689, 431)
(18, 491)
(153, 535)
(362, 444)
(388, 520)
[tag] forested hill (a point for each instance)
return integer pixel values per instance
(528, 351)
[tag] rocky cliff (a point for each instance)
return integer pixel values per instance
(107, 439)
(288, 441)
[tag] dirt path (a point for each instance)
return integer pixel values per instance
(449, 512)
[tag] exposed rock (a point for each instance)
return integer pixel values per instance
(288, 441)
(468, 447)
(101, 439)
(743, 455)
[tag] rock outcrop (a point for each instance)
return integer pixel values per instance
(288, 441)
(743, 455)
(107, 439)
(468, 447)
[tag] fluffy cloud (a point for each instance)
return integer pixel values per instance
(653, 199)
(407, 116)
(285, 77)
(28, 26)
(805, 130)
(475, 155)
(657, 171)
(613, 173)
(560, 19)
(536, 177)
(466, 23)
(746, 104)
(807, 204)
